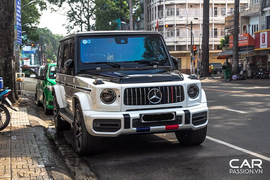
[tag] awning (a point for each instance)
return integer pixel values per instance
(224, 54)
(247, 53)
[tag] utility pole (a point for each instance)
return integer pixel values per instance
(235, 62)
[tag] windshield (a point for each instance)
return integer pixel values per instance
(122, 51)
(52, 72)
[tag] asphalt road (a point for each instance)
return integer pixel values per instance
(238, 133)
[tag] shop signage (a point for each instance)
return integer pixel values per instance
(262, 40)
(243, 40)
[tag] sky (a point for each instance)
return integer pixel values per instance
(53, 21)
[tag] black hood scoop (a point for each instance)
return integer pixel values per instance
(136, 76)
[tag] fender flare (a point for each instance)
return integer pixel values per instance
(60, 94)
(84, 100)
(203, 99)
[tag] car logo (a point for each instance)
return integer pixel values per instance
(154, 96)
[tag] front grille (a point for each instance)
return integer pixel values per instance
(139, 96)
(199, 118)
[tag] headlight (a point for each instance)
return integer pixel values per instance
(108, 96)
(50, 88)
(193, 91)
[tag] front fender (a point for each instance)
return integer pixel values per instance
(60, 94)
(203, 100)
(84, 100)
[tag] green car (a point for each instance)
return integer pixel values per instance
(46, 80)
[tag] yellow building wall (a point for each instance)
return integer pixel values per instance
(185, 59)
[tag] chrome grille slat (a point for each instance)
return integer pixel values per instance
(139, 96)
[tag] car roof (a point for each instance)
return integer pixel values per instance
(107, 33)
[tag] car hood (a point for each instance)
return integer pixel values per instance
(135, 76)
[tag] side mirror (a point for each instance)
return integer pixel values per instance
(175, 62)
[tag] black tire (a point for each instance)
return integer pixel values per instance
(46, 111)
(60, 125)
(4, 117)
(39, 104)
(191, 138)
(86, 144)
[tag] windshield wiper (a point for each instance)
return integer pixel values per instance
(150, 62)
(112, 64)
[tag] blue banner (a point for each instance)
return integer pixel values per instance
(18, 22)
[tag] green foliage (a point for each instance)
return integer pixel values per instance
(30, 16)
(79, 14)
(108, 11)
(224, 42)
(48, 43)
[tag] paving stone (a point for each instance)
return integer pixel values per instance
(19, 154)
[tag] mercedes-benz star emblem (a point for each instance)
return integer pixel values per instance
(154, 96)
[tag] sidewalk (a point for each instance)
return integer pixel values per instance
(19, 154)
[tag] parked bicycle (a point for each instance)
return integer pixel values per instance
(4, 113)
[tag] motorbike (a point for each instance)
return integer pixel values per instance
(4, 112)
(261, 74)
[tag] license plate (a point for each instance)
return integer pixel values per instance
(157, 117)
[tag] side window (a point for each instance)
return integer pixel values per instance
(65, 56)
(60, 56)
(68, 58)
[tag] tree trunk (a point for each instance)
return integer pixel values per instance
(235, 62)
(7, 60)
(205, 40)
(130, 15)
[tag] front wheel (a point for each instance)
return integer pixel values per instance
(46, 110)
(85, 142)
(37, 100)
(4, 117)
(191, 138)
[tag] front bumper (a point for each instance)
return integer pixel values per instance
(112, 124)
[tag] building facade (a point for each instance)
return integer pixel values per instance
(180, 22)
(255, 21)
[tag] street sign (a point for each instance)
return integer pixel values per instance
(18, 22)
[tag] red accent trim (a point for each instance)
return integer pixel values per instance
(171, 127)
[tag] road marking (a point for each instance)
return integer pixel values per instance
(233, 110)
(239, 148)
(237, 92)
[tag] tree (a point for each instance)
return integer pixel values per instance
(224, 42)
(48, 43)
(30, 16)
(205, 40)
(7, 60)
(111, 14)
(235, 62)
(79, 14)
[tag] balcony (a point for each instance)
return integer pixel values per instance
(252, 10)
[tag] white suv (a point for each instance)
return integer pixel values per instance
(122, 83)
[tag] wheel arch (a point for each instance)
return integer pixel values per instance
(83, 99)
